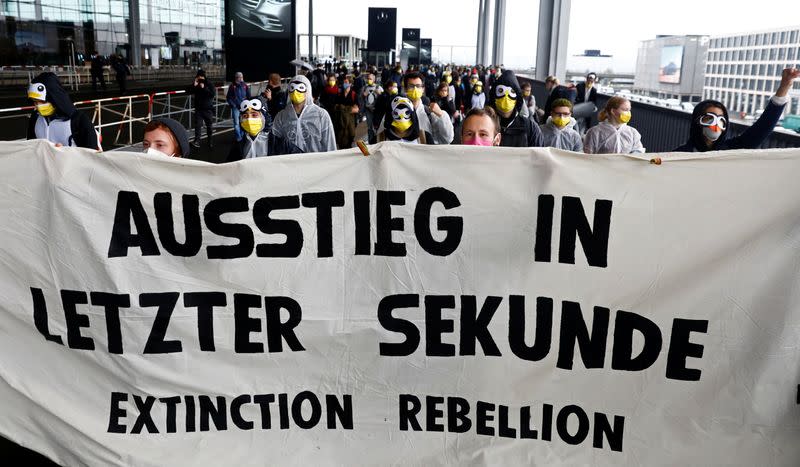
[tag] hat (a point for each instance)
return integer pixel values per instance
(178, 131)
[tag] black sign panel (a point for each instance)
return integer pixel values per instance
(411, 44)
(253, 27)
(425, 51)
(382, 29)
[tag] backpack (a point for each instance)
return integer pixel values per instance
(371, 100)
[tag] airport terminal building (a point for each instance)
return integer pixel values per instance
(171, 32)
(671, 67)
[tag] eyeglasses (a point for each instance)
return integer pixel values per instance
(502, 90)
(401, 113)
(712, 119)
(415, 86)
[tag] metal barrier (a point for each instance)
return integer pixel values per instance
(665, 129)
(121, 117)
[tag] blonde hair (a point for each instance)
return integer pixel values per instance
(613, 103)
(551, 79)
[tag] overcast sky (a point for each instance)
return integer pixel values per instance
(614, 26)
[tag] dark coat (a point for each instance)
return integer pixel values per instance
(521, 133)
(752, 138)
(83, 133)
(581, 95)
(203, 96)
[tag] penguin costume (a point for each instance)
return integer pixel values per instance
(258, 141)
(402, 124)
(55, 118)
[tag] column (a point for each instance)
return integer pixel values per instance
(499, 31)
(551, 48)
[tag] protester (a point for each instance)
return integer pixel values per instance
(442, 99)
(204, 94)
(306, 125)
(586, 92)
(384, 104)
(96, 71)
(481, 127)
(238, 91)
(317, 80)
(506, 96)
(367, 101)
(555, 91)
(401, 123)
(559, 132)
(432, 118)
(458, 85)
(478, 98)
(529, 102)
(55, 118)
(258, 141)
(343, 123)
(165, 137)
(709, 125)
(122, 71)
(327, 99)
(613, 135)
(274, 96)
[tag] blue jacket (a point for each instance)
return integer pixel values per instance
(237, 93)
(751, 138)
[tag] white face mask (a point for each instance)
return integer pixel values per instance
(710, 134)
(156, 153)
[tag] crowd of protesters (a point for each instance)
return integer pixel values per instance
(321, 110)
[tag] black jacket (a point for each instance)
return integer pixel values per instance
(203, 96)
(580, 97)
(752, 138)
(521, 133)
(83, 133)
(278, 101)
(275, 145)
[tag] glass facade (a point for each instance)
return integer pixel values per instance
(47, 32)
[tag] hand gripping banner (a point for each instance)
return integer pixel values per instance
(420, 306)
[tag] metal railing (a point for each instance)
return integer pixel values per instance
(74, 77)
(664, 129)
(122, 119)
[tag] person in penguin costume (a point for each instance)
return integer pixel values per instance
(507, 100)
(402, 124)
(258, 141)
(55, 118)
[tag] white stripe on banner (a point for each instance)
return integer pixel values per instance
(421, 306)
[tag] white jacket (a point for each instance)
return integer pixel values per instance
(562, 138)
(312, 130)
(606, 138)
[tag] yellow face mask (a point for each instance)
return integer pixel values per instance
(252, 126)
(332, 83)
(478, 89)
(297, 97)
(625, 117)
(392, 91)
(414, 94)
(526, 93)
(45, 110)
(448, 79)
(401, 125)
(561, 122)
(505, 104)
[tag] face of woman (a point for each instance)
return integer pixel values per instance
(443, 92)
(160, 140)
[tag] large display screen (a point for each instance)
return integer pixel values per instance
(669, 70)
(411, 44)
(382, 29)
(261, 18)
(259, 38)
(425, 51)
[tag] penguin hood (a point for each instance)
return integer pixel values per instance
(304, 80)
(508, 79)
(54, 93)
(696, 130)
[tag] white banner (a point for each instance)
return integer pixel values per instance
(421, 306)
